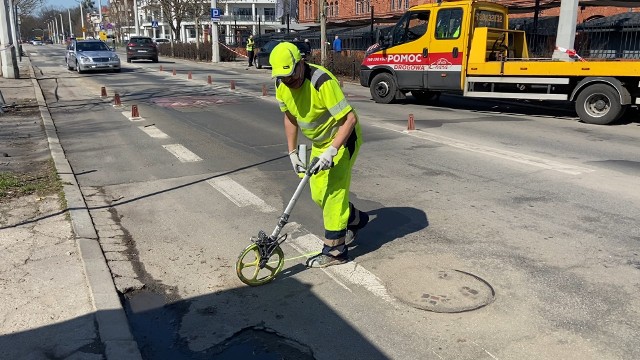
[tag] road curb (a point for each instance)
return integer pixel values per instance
(111, 318)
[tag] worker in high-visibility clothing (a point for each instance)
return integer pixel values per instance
(314, 104)
(250, 53)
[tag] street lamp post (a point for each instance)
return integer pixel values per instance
(135, 14)
(70, 28)
(82, 22)
(55, 19)
(61, 28)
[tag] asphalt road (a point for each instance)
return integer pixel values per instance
(542, 208)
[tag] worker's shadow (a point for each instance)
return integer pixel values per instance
(387, 224)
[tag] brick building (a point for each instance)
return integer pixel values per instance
(354, 12)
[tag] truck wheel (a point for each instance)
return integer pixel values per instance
(423, 97)
(599, 104)
(383, 88)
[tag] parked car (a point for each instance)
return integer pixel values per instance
(142, 47)
(161, 41)
(85, 55)
(262, 57)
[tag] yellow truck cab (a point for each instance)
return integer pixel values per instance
(465, 47)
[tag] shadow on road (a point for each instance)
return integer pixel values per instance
(281, 320)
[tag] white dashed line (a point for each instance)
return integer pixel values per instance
(154, 132)
(238, 195)
(182, 153)
(503, 154)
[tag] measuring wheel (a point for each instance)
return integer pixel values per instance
(253, 270)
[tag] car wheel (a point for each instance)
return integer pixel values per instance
(258, 65)
(383, 88)
(68, 66)
(155, 59)
(78, 68)
(117, 70)
(128, 60)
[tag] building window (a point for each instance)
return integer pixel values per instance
(364, 6)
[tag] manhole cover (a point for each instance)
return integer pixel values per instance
(442, 291)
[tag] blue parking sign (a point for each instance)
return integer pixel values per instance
(154, 24)
(215, 14)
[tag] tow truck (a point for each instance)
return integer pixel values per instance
(466, 47)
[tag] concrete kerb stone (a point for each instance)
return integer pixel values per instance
(110, 316)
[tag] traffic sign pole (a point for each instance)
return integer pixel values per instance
(215, 47)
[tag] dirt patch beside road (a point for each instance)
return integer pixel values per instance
(25, 160)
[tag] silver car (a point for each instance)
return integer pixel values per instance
(85, 55)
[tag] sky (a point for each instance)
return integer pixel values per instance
(64, 4)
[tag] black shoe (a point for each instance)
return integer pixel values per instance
(325, 260)
(352, 231)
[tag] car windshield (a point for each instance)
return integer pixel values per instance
(92, 46)
(141, 40)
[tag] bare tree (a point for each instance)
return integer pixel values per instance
(28, 6)
(197, 9)
(175, 10)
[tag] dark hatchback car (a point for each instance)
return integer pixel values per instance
(262, 57)
(142, 47)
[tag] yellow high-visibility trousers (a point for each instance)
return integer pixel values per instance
(330, 188)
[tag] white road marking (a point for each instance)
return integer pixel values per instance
(154, 132)
(238, 195)
(490, 354)
(351, 272)
(182, 153)
(127, 114)
(503, 154)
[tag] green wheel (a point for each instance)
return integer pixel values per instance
(248, 269)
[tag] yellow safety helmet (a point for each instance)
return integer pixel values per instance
(283, 59)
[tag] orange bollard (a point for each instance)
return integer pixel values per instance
(103, 91)
(341, 84)
(209, 80)
(174, 71)
(134, 111)
(264, 90)
(412, 124)
(233, 85)
(160, 67)
(189, 76)
(116, 100)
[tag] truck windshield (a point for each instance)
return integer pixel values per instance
(488, 18)
(410, 27)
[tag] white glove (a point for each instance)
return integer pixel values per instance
(325, 161)
(298, 166)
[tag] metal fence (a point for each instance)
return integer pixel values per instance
(358, 38)
(613, 37)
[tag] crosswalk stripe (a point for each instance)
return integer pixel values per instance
(238, 195)
(182, 153)
(154, 132)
